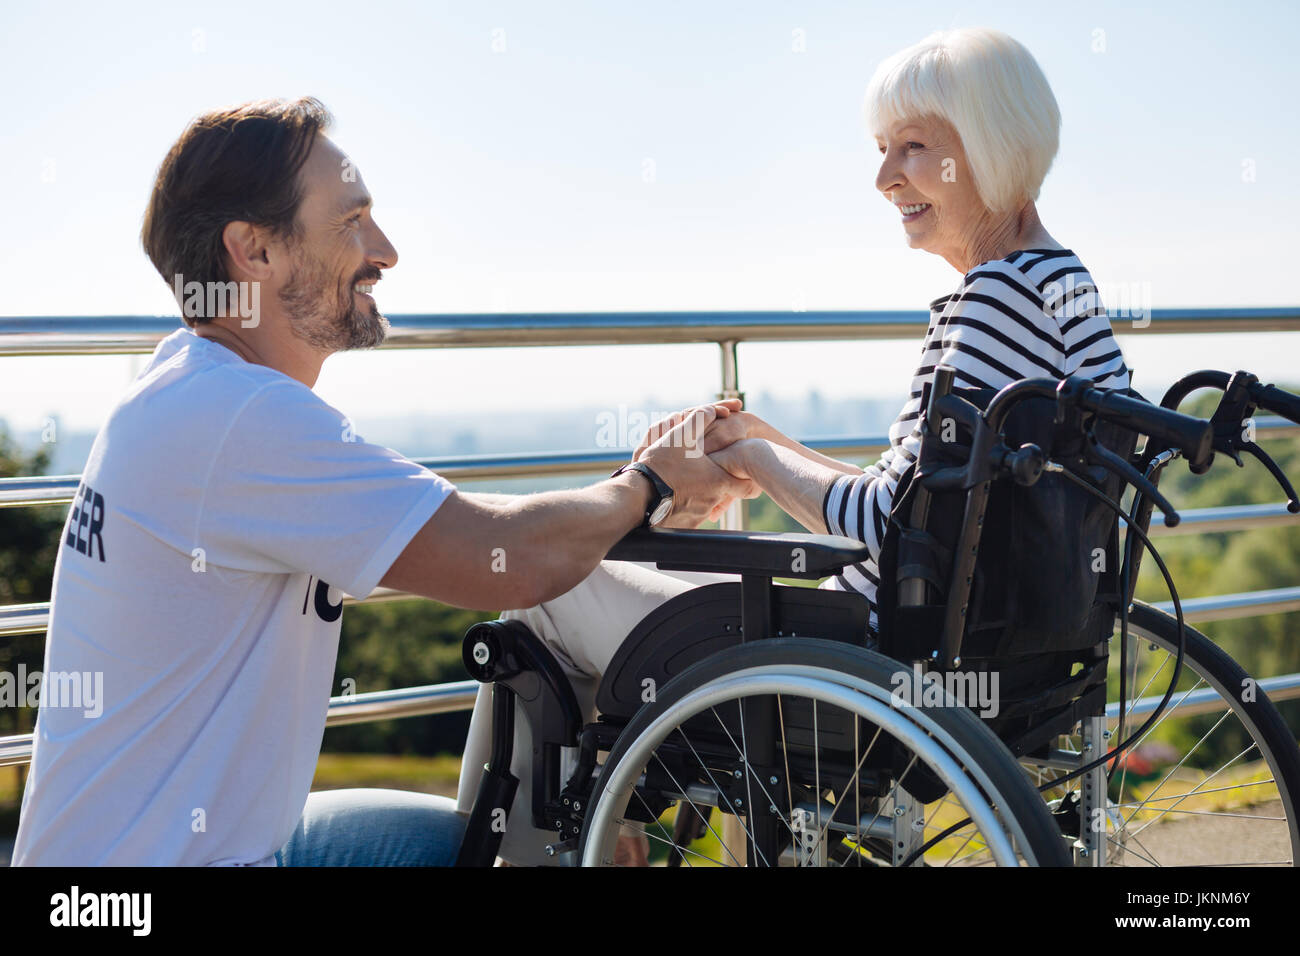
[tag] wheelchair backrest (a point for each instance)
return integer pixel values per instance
(1046, 578)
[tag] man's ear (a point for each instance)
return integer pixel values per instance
(248, 250)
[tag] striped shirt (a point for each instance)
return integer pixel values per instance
(1035, 313)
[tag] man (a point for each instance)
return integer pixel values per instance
(225, 508)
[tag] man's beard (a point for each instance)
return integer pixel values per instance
(330, 323)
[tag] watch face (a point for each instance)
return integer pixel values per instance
(661, 512)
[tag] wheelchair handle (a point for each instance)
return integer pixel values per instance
(1242, 394)
(1268, 397)
(1277, 400)
(1194, 437)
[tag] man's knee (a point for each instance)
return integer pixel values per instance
(374, 827)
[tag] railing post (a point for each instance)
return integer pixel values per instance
(736, 517)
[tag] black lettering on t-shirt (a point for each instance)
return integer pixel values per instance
(326, 611)
(87, 516)
(75, 517)
(96, 526)
(84, 520)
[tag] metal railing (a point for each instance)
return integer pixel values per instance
(118, 335)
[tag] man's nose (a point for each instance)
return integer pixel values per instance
(381, 251)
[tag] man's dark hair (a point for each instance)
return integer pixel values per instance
(235, 164)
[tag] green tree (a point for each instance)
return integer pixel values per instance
(28, 542)
(29, 539)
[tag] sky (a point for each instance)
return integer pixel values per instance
(607, 157)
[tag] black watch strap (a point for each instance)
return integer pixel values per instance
(661, 489)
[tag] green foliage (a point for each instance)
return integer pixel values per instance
(29, 539)
(402, 644)
(1230, 563)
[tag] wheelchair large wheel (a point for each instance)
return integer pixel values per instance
(1214, 782)
(806, 747)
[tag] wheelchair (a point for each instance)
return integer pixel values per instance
(1013, 704)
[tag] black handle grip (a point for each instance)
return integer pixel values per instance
(1278, 401)
(1194, 436)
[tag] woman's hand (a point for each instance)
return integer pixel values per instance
(797, 484)
(734, 459)
(737, 426)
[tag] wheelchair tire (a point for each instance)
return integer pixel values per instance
(1214, 782)
(675, 750)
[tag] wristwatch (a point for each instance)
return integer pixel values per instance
(661, 499)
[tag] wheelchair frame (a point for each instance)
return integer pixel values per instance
(702, 624)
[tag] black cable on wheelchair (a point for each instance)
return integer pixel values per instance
(1169, 692)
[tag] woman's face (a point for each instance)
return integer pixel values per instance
(923, 172)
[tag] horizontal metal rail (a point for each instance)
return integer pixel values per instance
(1225, 607)
(459, 696)
(402, 702)
(351, 709)
(59, 489)
(134, 334)
(18, 619)
(1229, 518)
(1207, 700)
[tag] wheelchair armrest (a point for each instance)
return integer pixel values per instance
(741, 552)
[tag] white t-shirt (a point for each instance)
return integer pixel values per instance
(223, 512)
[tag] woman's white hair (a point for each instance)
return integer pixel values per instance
(992, 92)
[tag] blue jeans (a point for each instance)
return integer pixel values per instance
(372, 827)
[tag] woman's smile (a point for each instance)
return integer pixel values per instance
(913, 211)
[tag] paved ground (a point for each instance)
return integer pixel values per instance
(1189, 841)
(1199, 840)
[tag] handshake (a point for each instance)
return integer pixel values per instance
(708, 455)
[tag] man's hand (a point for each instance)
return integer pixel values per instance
(722, 410)
(701, 489)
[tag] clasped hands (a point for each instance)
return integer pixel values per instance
(702, 453)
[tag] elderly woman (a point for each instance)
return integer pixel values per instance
(967, 128)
